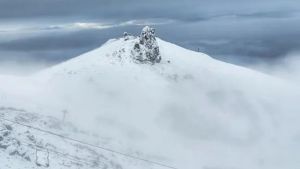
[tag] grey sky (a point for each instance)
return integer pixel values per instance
(238, 31)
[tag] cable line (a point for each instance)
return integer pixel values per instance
(63, 155)
(91, 145)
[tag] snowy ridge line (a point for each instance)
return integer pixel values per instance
(89, 144)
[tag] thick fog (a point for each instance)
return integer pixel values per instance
(190, 111)
(194, 112)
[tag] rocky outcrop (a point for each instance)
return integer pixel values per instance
(147, 49)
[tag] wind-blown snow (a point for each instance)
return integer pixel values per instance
(189, 111)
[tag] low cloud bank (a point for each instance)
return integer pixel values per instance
(217, 115)
(287, 68)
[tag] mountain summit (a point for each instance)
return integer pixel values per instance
(147, 49)
(150, 99)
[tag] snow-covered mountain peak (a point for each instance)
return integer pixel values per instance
(130, 55)
(143, 49)
(140, 92)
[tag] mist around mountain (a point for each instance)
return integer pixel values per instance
(158, 104)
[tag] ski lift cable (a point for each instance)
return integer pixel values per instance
(91, 145)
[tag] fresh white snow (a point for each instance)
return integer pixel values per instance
(189, 111)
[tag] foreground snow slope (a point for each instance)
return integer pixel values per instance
(189, 111)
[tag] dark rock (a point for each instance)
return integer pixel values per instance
(2, 146)
(147, 49)
(8, 127)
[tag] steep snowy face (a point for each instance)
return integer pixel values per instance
(217, 115)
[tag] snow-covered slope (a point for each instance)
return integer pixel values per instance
(188, 111)
(25, 147)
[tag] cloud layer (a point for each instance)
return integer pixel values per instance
(242, 32)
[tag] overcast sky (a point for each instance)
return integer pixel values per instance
(237, 31)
